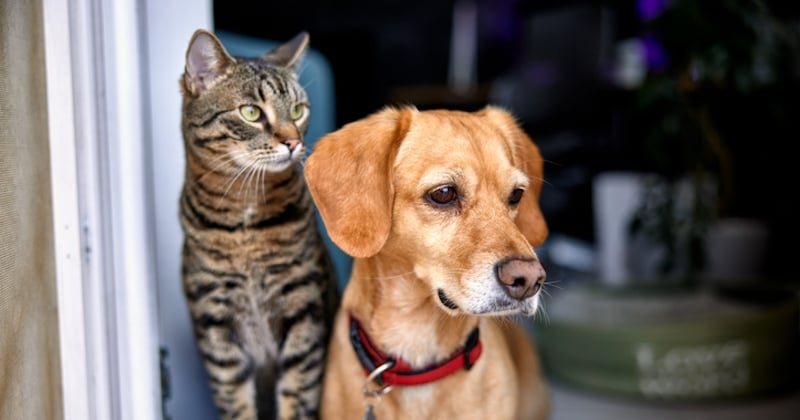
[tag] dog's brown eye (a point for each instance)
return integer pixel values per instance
(443, 196)
(515, 196)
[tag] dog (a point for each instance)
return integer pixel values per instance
(439, 209)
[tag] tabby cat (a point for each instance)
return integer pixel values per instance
(256, 275)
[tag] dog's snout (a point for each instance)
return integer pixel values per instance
(520, 278)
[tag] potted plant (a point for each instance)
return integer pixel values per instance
(717, 72)
(712, 67)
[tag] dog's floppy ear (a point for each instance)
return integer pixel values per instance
(349, 174)
(530, 218)
(527, 157)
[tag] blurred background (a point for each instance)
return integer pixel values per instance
(666, 128)
(675, 88)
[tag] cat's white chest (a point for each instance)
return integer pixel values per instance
(248, 214)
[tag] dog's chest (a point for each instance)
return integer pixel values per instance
(418, 394)
(402, 402)
(465, 395)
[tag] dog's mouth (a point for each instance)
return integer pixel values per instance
(446, 300)
(500, 305)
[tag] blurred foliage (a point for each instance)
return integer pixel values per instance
(720, 58)
(719, 71)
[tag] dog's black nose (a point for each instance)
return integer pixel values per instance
(520, 278)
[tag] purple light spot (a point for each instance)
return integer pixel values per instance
(649, 9)
(654, 54)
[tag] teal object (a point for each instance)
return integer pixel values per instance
(316, 76)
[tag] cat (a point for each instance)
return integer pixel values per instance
(256, 274)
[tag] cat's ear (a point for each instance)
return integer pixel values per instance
(206, 61)
(290, 53)
(349, 175)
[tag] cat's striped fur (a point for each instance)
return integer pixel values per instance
(256, 274)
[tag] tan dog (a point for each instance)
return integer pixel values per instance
(440, 210)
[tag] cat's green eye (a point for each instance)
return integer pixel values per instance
(250, 113)
(297, 111)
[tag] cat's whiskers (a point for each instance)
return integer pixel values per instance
(263, 174)
(302, 68)
(256, 181)
(244, 185)
(252, 167)
(394, 276)
(259, 179)
(233, 180)
(219, 162)
(309, 83)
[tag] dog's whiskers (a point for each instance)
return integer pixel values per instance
(543, 313)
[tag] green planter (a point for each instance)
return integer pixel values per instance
(698, 344)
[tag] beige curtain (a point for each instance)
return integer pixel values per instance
(30, 379)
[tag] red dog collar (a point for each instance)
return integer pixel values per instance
(400, 372)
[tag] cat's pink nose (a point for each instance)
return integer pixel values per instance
(291, 143)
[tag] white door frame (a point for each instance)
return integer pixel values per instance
(99, 118)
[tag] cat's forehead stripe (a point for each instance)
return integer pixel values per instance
(271, 84)
(261, 92)
(282, 89)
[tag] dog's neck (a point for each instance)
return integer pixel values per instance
(400, 314)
